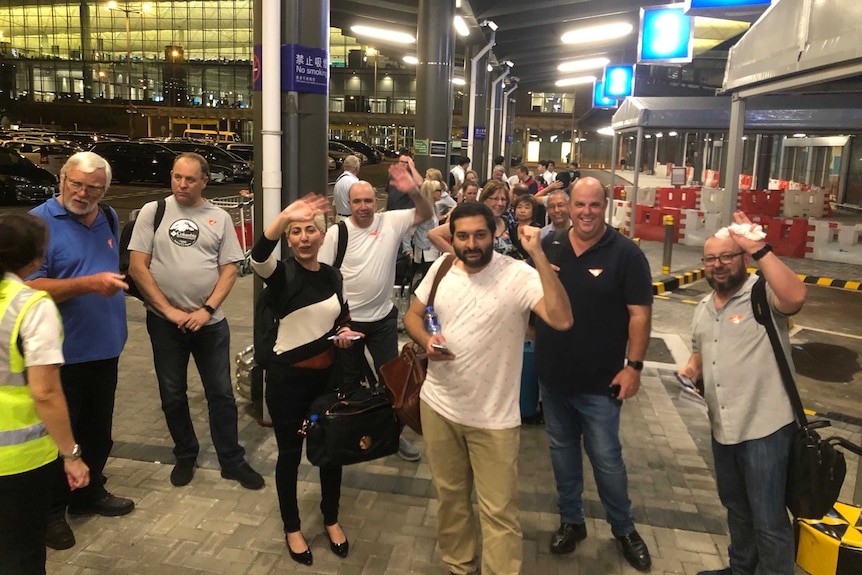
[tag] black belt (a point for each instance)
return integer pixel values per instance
(344, 215)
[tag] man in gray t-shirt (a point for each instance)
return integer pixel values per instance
(186, 268)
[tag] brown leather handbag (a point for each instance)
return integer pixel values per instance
(404, 375)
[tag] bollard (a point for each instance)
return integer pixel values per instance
(668, 244)
(623, 195)
(857, 495)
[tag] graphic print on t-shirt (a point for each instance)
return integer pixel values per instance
(184, 233)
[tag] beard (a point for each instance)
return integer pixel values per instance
(731, 283)
(477, 263)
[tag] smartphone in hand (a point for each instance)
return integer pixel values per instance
(615, 390)
(441, 348)
(687, 383)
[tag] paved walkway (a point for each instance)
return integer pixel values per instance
(388, 506)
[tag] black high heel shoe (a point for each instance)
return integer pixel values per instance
(304, 558)
(340, 549)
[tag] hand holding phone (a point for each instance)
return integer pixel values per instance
(615, 390)
(441, 348)
(686, 382)
(348, 337)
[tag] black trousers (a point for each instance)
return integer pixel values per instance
(288, 397)
(89, 388)
(24, 518)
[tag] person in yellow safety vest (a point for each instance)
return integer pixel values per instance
(34, 418)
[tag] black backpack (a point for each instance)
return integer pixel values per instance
(126, 237)
(267, 316)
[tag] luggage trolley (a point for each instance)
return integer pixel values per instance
(240, 210)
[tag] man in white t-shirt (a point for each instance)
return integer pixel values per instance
(368, 268)
(341, 190)
(470, 411)
(458, 173)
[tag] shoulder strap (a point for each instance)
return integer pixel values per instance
(160, 213)
(109, 215)
(441, 271)
(342, 245)
(763, 316)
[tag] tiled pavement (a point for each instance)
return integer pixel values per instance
(388, 508)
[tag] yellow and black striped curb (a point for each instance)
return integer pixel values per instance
(675, 282)
(831, 545)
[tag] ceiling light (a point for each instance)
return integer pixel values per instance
(410, 60)
(605, 131)
(461, 26)
(671, 134)
(458, 81)
(575, 81)
(597, 33)
(509, 63)
(798, 135)
(581, 65)
(384, 35)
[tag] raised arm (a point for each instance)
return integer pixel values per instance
(789, 293)
(554, 308)
(404, 183)
(440, 238)
(103, 283)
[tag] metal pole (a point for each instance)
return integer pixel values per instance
(668, 245)
(610, 214)
(734, 156)
(637, 169)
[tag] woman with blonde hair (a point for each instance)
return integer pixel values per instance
(424, 252)
(314, 319)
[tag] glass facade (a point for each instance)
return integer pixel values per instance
(195, 53)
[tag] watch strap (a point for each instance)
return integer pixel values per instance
(209, 308)
(761, 252)
(635, 365)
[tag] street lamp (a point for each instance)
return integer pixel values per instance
(127, 12)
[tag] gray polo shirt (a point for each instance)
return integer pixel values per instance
(743, 387)
(187, 250)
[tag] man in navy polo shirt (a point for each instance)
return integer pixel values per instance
(81, 272)
(586, 372)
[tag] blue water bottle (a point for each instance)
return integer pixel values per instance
(432, 322)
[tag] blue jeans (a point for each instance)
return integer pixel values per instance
(751, 477)
(210, 346)
(596, 418)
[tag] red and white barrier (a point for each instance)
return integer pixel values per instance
(647, 197)
(804, 204)
(622, 214)
(696, 227)
(834, 242)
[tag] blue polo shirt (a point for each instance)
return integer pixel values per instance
(600, 283)
(95, 326)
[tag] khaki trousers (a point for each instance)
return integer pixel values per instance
(460, 457)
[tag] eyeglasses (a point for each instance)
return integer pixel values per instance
(725, 259)
(76, 186)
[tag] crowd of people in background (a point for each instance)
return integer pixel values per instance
(500, 261)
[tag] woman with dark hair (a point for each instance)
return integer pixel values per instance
(495, 196)
(33, 410)
(313, 321)
(523, 212)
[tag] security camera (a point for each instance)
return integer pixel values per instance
(490, 24)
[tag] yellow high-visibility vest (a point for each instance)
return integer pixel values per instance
(24, 440)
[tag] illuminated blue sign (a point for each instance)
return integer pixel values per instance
(619, 81)
(304, 69)
(599, 100)
(666, 35)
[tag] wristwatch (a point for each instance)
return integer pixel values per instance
(635, 365)
(209, 308)
(75, 455)
(761, 252)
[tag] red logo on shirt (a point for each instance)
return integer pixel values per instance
(111, 243)
(596, 272)
(735, 318)
(212, 222)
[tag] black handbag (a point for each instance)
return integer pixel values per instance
(347, 426)
(816, 469)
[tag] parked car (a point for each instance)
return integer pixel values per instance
(22, 181)
(373, 155)
(220, 161)
(244, 151)
(45, 154)
(138, 161)
(336, 147)
(386, 152)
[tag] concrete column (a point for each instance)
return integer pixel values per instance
(734, 157)
(305, 116)
(505, 146)
(434, 79)
(478, 120)
(86, 49)
(496, 121)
